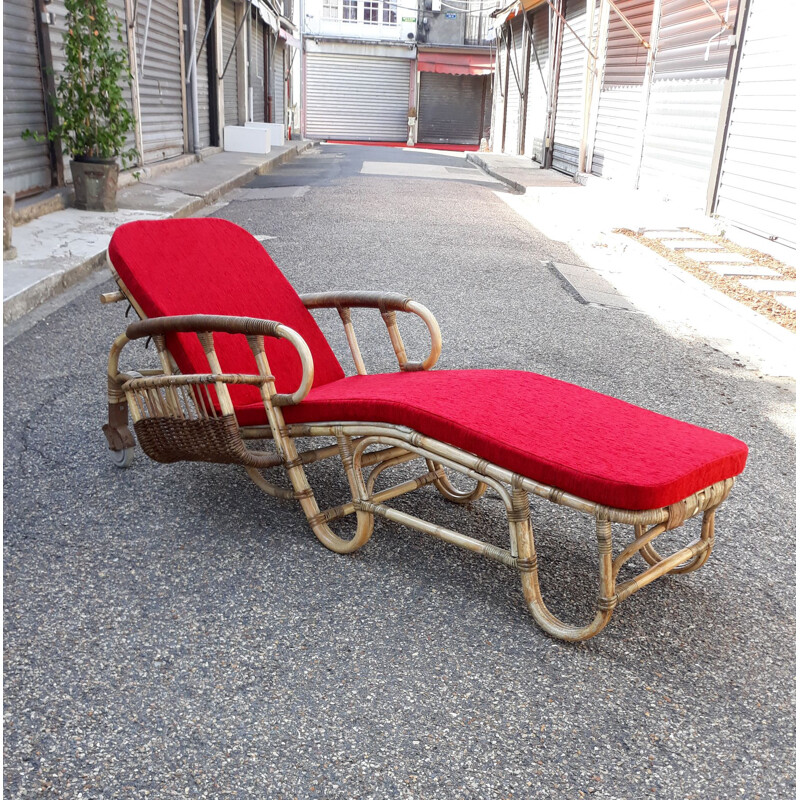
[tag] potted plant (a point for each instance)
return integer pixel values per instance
(92, 118)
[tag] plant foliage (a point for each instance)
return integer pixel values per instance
(92, 117)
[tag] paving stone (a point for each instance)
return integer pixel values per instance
(788, 300)
(720, 257)
(770, 286)
(691, 244)
(744, 270)
(668, 233)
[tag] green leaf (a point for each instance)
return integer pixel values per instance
(92, 115)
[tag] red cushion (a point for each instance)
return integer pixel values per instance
(583, 442)
(211, 266)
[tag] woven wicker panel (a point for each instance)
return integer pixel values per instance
(167, 440)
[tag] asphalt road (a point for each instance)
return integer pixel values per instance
(172, 632)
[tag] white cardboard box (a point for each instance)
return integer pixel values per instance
(237, 139)
(275, 131)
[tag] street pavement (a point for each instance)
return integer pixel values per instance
(170, 631)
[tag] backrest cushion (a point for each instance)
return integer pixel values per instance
(211, 266)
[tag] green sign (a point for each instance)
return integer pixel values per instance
(409, 19)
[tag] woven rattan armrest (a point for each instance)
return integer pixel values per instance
(248, 326)
(388, 304)
(175, 416)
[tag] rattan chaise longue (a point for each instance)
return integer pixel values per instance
(242, 359)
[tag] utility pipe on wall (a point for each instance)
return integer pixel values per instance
(302, 69)
(130, 22)
(192, 24)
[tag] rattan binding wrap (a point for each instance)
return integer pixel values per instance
(216, 440)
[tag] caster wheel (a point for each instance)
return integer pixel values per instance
(122, 458)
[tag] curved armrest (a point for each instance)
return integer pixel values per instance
(248, 326)
(387, 303)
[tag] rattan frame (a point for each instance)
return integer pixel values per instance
(175, 419)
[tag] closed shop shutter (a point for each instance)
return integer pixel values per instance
(257, 72)
(26, 164)
(230, 81)
(57, 31)
(516, 84)
(160, 92)
(279, 83)
(685, 99)
(203, 90)
(619, 114)
(450, 108)
(357, 97)
(536, 112)
(758, 183)
(570, 99)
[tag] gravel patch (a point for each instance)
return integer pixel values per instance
(760, 301)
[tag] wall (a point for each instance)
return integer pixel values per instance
(318, 25)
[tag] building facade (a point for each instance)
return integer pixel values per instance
(370, 65)
(691, 99)
(196, 66)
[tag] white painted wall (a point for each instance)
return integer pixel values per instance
(317, 24)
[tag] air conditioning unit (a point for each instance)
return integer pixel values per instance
(436, 6)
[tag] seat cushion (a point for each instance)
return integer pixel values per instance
(577, 440)
(211, 266)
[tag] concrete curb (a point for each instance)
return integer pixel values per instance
(481, 164)
(52, 285)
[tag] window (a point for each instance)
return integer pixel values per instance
(350, 10)
(371, 11)
(389, 12)
(330, 9)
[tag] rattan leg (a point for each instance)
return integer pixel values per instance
(653, 557)
(449, 492)
(521, 527)
(304, 493)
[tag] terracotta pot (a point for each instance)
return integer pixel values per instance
(95, 183)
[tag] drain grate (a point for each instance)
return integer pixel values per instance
(587, 287)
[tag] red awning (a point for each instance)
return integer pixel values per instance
(455, 63)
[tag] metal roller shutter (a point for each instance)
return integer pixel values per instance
(26, 164)
(57, 31)
(570, 100)
(685, 98)
(160, 91)
(357, 97)
(758, 182)
(279, 83)
(619, 115)
(203, 87)
(230, 81)
(536, 111)
(516, 84)
(450, 108)
(257, 73)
